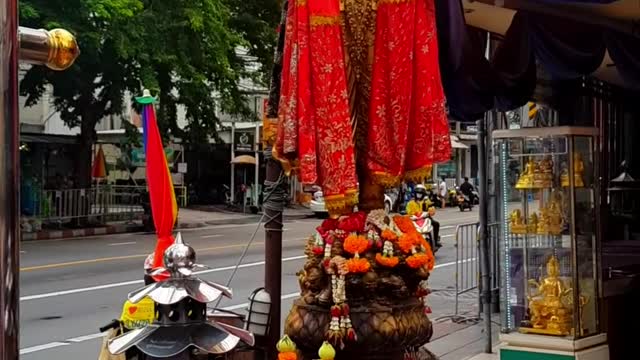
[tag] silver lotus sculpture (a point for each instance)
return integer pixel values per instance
(181, 312)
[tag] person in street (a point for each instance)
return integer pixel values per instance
(467, 189)
(442, 193)
(420, 202)
(436, 225)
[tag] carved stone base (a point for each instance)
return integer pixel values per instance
(384, 332)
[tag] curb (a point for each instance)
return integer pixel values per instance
(73, 233)
(122, 229)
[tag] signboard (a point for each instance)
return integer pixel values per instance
(244, 141)
(138, 157)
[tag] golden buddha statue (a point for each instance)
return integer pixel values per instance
(543, 177)
(549, 312)
(555, 218)
(517, 223)
(532, 223)
(542, 228)
(578, 172)
(526, 179)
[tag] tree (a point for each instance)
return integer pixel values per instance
(183, 50)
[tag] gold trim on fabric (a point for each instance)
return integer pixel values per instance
(384, 2)
(318, 20)
(288, 166)
(387, 180)
(301, 2)
(341, 204)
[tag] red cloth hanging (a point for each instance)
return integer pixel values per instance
(314, 125)
(408, 126)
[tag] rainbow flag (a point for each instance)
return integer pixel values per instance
(164, 206)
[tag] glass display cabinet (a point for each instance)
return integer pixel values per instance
(549, 246)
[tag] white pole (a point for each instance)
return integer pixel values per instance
(232, 186)
(257, 175)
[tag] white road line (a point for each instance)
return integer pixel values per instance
(210, 236)
(123, 243)
(98, 335)
(83, 338)
(135, 282)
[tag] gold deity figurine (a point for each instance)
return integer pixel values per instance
(532, 224)
(543, 177)
(578, 172)
(542, 228)
(550, 312)
(555, 218)
(526, 179)
(517, 223)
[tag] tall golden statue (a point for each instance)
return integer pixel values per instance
(532, 223)
(578, 173)
(526, 179)
(551, 313)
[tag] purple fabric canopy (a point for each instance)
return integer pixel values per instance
(565, 48)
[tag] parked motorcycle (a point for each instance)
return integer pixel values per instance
(424, 226)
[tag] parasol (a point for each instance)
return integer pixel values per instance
(164, 207)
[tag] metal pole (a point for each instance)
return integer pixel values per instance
(484, 227)
(9, 186)
(273, 208)
(256, 203)
(232, 185)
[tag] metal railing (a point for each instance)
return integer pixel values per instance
(99, 204)
(468, 270)
(467, 267)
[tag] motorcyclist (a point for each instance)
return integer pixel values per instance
(420, 202)
(467, 189)
(436, 225)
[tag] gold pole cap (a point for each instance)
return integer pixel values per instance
(63, 49)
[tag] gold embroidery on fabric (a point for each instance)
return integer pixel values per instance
(317, 20)
(383, 2)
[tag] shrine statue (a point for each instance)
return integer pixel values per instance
(548, 308)
(526, 179)
(532, 223)
(344, 96)
(517, 223)
(578, 173)
(543, 178)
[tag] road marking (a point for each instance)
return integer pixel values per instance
(134, 282)
(447, 236)
(79, 339)
(136, 256)
(210, 236)
(123, 243)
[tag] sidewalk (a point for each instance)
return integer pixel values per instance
(187, 219)
(464, 342)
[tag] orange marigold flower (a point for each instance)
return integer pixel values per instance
(417, 260)
(289, 355)
(355, 244)
(387, 261)
(358, 265)
(408, 241)
(404, 223)
(389, 235)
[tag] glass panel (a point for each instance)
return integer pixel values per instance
(586, 295)
(535, 178)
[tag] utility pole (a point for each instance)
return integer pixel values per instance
(58, 50)
(232, 184)
(483, 231)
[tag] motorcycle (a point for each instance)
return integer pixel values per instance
(464, 202)
(423, 224)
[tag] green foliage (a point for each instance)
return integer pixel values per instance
(184, 51)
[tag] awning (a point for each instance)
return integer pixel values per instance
(244, 160)
(456, 144)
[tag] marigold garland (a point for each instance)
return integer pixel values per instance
(387, 261)
(358, 265)
(355, 244)
(287, 356)
(405, 224)
(416, 261)
(389, 235)
(409, 241)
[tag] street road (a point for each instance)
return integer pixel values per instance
(69, 288)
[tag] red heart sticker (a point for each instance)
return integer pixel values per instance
(132, 310)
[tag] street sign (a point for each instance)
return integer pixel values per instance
(244, 141)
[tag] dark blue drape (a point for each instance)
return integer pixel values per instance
(565, 48)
